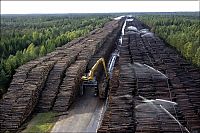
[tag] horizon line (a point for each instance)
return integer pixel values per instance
(99, 12)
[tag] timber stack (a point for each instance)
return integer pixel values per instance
(156, 71)
(46, 82)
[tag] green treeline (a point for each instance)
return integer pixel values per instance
(24, 38)
(182, 32)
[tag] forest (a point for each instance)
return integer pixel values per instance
(26, 37)
(181, 32)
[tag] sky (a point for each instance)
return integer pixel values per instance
(40, 7)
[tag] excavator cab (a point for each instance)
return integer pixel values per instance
(89, 80)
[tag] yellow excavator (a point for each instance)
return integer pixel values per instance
(89, 80)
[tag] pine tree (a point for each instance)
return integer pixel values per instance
(42, 50)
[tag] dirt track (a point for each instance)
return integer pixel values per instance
(84, 114)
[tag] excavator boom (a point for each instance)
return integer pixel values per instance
(90, 76)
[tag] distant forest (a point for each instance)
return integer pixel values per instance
(181, 32)
(26, 37)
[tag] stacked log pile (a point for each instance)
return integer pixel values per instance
(148, 118)
(105, 52)
(44, 77)
(184, 80)
(56, 75)
(53, 81)
(91, 48)
(26, 99)
(119, 116)
(69, 87)
(114, 84)
(180, 85)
